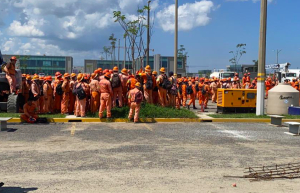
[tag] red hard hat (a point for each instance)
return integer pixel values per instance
(13, 58)
(245, 74)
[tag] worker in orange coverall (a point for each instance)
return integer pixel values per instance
(162, 92)
(10, 70)
(29, 111)
(57, 98)
(135, 104)
(80, 103)
(193, 95)
(66, 94)
(148, 81)
(106, 95)
(207, 92)
(48, 94)
(35, 89)
(95, 93)
(41, 99)
(72, 96)
(117, 82)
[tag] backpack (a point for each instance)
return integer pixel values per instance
(189, 89)
(173, 90)
(149, 83)
(80, 93)
(59, 89)
(180, 88)
(203, 90)
(166, 84)
(138, 97)
(116, 81)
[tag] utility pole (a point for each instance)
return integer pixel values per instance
(176, 37)
(260, 100)
(278, 51)
(148, 33)
(124, 65)
(119, 54)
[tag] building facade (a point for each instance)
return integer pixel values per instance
(30, 64)
(156, 62)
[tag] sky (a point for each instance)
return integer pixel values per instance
(208, 29)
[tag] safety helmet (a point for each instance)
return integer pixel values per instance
(154, 73)
(115, 69)
(35, 77)
(138, 84)
(14, 58)
(162, 70)
(80, 77)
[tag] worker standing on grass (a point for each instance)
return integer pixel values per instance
(95, 93)
(163, 84)
(80, 90)
(57, 91)
(35, 91)
(116, 83)
(135, 97)
(10, 70)
(106, 96)
(155, 97)
(48, 94)
(29, 115)
(192, 92)
(148, 80)
(72, 96)
(66, 94)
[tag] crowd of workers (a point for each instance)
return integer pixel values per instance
(104, 89)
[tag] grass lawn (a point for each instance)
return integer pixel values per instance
(17, 115)
(249, 115)
(149, 111)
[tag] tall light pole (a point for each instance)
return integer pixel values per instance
(277, 54)
(176, 37)
(148, 33)
(260, 100)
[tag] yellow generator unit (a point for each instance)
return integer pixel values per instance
(236, 100)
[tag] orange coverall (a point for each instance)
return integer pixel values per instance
(268, 87)
(206, 95)
(148, 93)
(48, 97)
(95, 98)
(155, 92)
(10, 70)
(134, 107)
(193, 95)
(201, 98)
(80, 104)
(29, 111)
(162, 93)
(214, 89)
(57, 98)
(105, 98)
(124, 88)
(184, 95)
(35, 89)
(65, 97)
(118, 92)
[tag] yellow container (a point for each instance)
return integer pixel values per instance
(236, 98)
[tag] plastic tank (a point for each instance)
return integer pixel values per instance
(280, 98)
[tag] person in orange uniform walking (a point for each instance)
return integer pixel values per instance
(125, 78)
(10, 70)
(106, 94)
(148, 80)
(162, 92)
(66, 94)
(155, 98)
(201, 97)
(182, 91)
(72, 97)
(48, 94)
(207, 92)
(135, 97)
(213, 87)
(95, 92)
(116, 83)
(57, 96)
(81, 97)
(30, 110)
(35, 91)
(192, 94)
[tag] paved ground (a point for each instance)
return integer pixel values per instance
(120, 157)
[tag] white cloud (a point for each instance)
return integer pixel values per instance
(28, 29)
(250, 0)
(190, 15)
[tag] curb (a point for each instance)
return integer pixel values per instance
(157, 120)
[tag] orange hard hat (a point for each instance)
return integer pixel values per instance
(41, 78)
(57, 73)
(94, 75)
(23, 75)
(110, 71)
(13, 58)
(229, 79)
(154, 73)
(48, 78)
(107, 75)
(138, 84)
(73, 75)
(193, 80)
(245, 74)
(105, 71)
(206, 80)
(148, 68)
(100, 69)
(97, 71)
(66, 75)
(124, 71)
(80, 77)
(35, 77)
(28, 77)
(162, 70)
(115, 69)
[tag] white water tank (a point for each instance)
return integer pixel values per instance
(280, 98)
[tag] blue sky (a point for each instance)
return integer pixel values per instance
(209, 29)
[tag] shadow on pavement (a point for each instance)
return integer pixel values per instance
(16, 189)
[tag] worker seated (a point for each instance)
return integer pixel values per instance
(30, 112)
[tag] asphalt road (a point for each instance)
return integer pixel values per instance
(135, 158)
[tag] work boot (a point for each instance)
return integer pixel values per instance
(194, 107)
(188, 107)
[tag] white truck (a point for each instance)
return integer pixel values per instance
(222, 74)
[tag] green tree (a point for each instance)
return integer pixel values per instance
(237, 54)
(107, 51)
(182, 54)
(23, 62)
(113, 40)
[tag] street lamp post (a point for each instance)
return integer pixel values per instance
(176, 37)
(148, 33)
(260, 103)
(277, 54)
